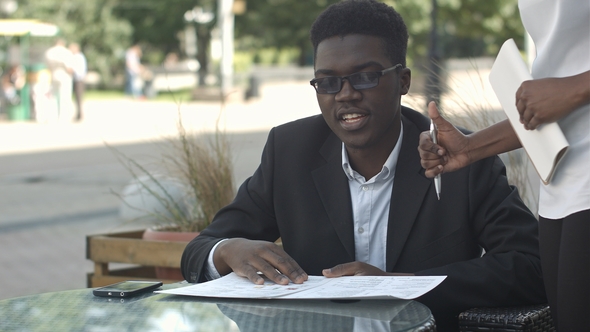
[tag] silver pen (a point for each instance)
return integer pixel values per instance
(437, 182)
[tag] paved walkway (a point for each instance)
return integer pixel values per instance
(124, 120)
(57, 179)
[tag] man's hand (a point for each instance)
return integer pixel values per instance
(450, 154)
(358, 269)
(247, 257)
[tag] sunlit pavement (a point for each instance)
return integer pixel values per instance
(129, 121)
(57, 178)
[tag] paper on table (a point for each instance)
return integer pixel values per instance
(545, 145)
(316, 287)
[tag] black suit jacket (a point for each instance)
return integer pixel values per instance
(301, 194)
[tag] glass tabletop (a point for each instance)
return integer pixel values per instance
(80, 310)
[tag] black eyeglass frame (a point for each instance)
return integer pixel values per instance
(315, 82)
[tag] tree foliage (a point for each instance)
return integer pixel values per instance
(467, 28)
(475, 28)
(157, 24)
(280, 24)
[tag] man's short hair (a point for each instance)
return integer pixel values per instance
(365, 17)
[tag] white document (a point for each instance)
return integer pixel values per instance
(316, 287)
(545, 145)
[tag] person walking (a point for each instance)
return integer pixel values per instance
(59, 61)
(80, 69)
(133, 69)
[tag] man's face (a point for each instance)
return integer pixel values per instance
(368, 118)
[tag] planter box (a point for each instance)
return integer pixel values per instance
(129, 248)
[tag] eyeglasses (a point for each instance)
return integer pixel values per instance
(359, 81)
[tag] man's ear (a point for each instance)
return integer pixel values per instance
(405, 77)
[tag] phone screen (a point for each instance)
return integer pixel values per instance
(126, 288)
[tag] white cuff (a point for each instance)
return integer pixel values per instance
(210, 270)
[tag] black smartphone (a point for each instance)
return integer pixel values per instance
(126, 288)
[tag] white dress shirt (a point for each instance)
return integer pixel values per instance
(370, 207)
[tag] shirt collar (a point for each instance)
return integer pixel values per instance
(388, 169)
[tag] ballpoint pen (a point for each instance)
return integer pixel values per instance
(437, 182)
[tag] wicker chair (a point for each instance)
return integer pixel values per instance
(536, 318)
(429, 326)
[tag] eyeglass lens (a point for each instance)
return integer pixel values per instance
(359, 81)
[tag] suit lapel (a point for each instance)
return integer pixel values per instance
(409, 188)
(332, 186)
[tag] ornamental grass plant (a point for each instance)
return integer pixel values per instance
(186, 186)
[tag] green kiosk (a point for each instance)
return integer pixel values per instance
(21, 64)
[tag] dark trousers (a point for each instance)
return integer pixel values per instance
(565, 259)
(79, 95)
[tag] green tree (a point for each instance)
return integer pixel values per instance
(102, 36)
(280, 24)
(468, 28)
(475, 28)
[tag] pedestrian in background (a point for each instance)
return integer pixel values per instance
(133, 69)
(59, 61)
(80, 68)
(12, 80)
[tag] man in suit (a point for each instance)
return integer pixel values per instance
(347, 195)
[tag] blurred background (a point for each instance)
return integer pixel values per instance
(242, 65)
(190, 37)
